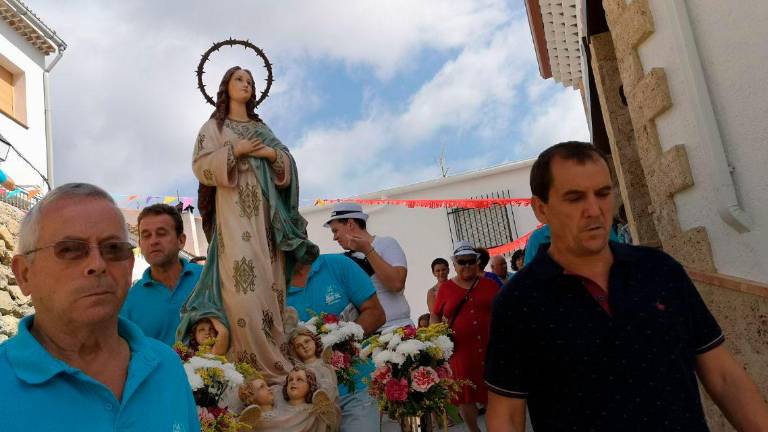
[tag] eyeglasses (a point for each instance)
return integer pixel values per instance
(465, 263)
(72, 250)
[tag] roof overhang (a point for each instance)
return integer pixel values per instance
(21, 19)
(556, 38)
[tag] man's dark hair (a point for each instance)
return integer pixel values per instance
(163, 209)
(437, 261)
(541, 172)
(360, 223)
(483, 258)
(515, 256)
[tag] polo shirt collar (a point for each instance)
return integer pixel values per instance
(186, 270)
(316, 266)
(547, 268)
(34, 365)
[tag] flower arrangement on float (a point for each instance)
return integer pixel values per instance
(210, 376)
(412, 376)
(343, 338)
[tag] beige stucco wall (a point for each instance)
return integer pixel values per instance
(424, 233)
(731, 41)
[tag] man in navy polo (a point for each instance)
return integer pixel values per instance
(335, 284)
(600, 336)
(154, 302)
(75, 365)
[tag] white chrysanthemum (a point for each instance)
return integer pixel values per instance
(445, 344)
(309, 327)
(386, 337)
(387, 356)
(233, 377)
(395, 341)
(411, 347)
(194, 379)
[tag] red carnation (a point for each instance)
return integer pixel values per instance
(330, 319)
(409, 332)
(396, 390)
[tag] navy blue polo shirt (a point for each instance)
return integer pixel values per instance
(584, 368)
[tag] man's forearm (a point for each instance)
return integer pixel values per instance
(741, 403)
(392, 277)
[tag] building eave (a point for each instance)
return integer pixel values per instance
(29, 26)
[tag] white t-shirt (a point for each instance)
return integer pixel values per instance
(395, 305)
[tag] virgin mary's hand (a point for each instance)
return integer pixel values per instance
(221, 344)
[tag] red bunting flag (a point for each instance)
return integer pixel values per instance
(519, 243)
(474, 203)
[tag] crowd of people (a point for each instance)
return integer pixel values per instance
(588, 334)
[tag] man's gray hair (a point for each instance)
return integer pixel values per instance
(30, 225)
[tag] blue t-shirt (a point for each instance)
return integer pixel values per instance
(334, 282)
(155, 308)
(541, 236)
(42, 393)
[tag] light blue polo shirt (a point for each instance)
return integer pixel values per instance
(334, 282)
(42, 393)
(156, 309)
(542, 235)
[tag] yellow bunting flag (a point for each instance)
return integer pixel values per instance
(169, 199)
(31, 194)
(132, 197)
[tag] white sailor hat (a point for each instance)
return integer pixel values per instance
(345, 210)
(464, 248)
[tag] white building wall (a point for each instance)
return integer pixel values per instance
(424, 233)
(731, 39)
(30, 140)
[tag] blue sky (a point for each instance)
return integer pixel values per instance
(367, 93)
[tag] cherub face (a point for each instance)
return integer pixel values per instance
(304, 347)
(298, 386)
(204, 332)
(261, 393)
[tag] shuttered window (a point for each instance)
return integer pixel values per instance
(6, 91)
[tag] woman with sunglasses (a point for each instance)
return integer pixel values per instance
(465, 302)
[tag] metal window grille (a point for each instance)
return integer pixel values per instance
(489, 227)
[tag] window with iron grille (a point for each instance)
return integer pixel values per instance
(489, 227)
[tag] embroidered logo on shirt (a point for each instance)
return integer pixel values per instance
(333, 296)
(661, 306)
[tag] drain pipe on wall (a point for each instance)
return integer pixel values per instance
(728, 208)
(51, 35)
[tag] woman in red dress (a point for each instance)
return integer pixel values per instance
(470, 321)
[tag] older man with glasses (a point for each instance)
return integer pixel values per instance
(74, 365)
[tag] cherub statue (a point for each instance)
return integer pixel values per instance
(307, 348)
(304, 407)
(202, 333)
(259, 402)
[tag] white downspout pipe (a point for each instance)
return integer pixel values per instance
(729, 209)
(195, 243)
(51, 35)
(48, 125)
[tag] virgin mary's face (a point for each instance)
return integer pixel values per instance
(240, 87)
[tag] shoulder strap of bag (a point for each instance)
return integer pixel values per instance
(462, 303)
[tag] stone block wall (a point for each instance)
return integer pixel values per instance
(14, 305)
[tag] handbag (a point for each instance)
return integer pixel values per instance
(458, 308)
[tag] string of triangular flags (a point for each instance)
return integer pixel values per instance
(145, 200)
(473, 203)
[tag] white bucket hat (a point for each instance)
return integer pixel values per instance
(346, 211)
(463, 248)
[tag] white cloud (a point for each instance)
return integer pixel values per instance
(126, 109)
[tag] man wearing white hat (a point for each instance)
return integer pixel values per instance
(381, 257)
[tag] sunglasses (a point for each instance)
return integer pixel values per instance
(465, 263)
(73, 250)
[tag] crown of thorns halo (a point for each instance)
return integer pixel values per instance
(232, 42)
